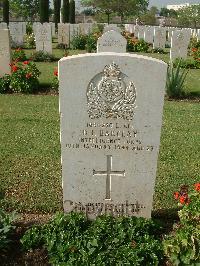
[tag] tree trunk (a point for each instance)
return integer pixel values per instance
(6, 11)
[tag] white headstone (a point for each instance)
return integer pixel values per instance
(74, 31)
(86, 28)
(198, 35)
(111, 41)
(17, 33)
(148, 34)
(141, 32)
(169, 35)
(111, 108)
(159, 37)
(3, 26)
(63, 33)
(136, 31)
(43, 38)
(53, 29)
(112, 27)
(179, 44)
(5, 52)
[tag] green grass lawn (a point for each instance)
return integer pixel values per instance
(30, 176)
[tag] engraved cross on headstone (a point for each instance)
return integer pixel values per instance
(109, 174)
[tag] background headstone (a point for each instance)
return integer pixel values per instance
(86, 28)
(141, 32)
(74, 31)
(159, 37)
(179, 44)
(5, 52)
(111, 108)
(111, 27)
(63, 33)
(17, 33)
(111, 41)
(3, 26)
(43, 38)
(148, 34)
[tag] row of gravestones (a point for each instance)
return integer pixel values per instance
(110, 41)
(177, 39)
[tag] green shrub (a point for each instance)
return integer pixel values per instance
(158, 51)
(73, 240)
(18, 55)
(135, 45)
(30, 41)
(188, 63)
(183, 245)
(91, 43)
(6, 229)
(41, 56)
(29, 28)
(175, 81)
(79, 42)
(4, 84)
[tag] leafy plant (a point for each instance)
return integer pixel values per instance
(91, 43)
(175, 81)
(4, 84)
(24, 77)
(189, 63)
(6, 229)
(79, 42)
(19, 55)
(41, 56)
(73, 239)
(30, 41)
(135, 45)
(55, 81)
(183, 245)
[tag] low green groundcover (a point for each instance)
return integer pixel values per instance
(73, 240)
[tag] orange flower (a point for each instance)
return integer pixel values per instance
(197, 187)
(194, 49)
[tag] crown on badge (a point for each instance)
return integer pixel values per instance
(112, 70)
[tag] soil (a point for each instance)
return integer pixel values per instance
(15, 256)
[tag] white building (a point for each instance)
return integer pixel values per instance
(177, 7)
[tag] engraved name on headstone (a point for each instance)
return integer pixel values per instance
(111, 115)
(111, 41)
(5, 52)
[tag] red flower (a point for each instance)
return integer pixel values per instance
(14, 68)
(55, 72)
(197, 187)
(176, 195)
(28, 75)
(184, 199)
(26, 62)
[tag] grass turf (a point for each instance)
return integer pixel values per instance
(30, 176)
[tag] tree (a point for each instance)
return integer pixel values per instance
(25, 8)
(44, 11)
(6, 11)
(189, 16)
(149, 17)
(164, 12)
(72, 12)
(65, 11)
(57, 5)
(122, 7)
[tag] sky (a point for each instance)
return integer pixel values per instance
(162, 3)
